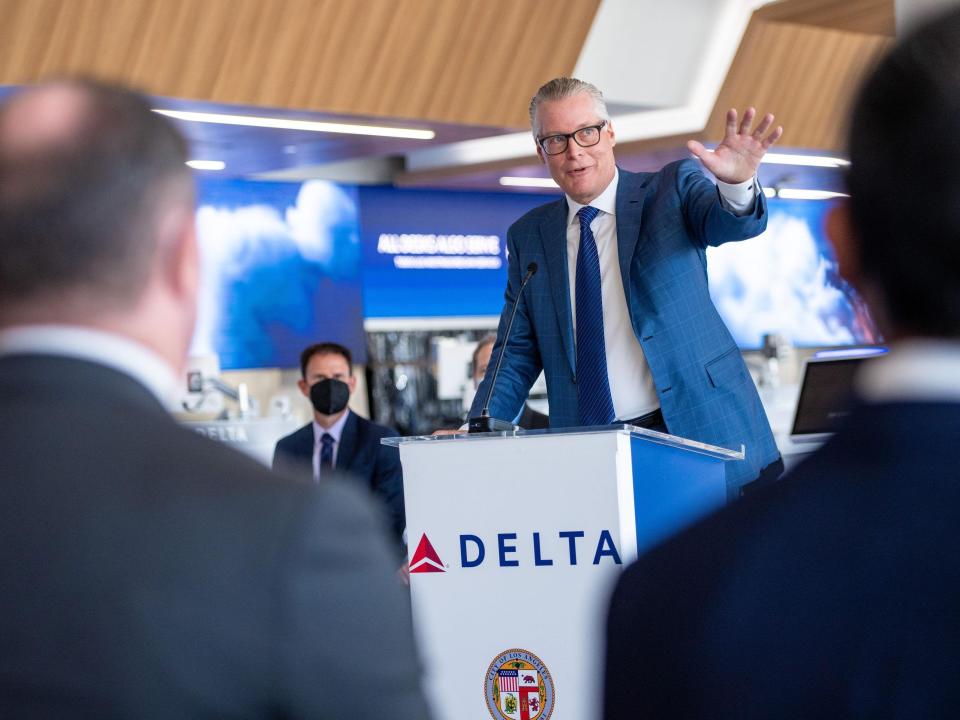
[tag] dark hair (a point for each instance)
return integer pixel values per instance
(324, 348)
(487, 339)
(81, 212)
(904, 179)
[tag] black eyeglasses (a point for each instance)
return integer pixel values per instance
(585, 137)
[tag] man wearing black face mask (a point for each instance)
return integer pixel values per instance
(339, 438)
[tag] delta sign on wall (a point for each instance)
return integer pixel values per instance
(431, 253)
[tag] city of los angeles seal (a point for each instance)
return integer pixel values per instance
(518, 686)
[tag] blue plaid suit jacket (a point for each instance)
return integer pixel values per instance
(665, 221)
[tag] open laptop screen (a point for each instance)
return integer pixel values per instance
(825, 396)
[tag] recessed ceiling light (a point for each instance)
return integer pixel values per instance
(801, 194)
(535, 182)
(798, 194)
(807, 160)
(207, 164)
(308, 125)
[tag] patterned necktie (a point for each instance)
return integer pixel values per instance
(326, 454)
(593, 385)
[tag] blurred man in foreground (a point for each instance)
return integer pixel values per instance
(834, 593)
(146, 571)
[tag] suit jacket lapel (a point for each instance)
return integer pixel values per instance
(304, 444)
(553, 235)
(348, 442)
(630, 193)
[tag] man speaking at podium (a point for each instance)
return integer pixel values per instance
(617, 312)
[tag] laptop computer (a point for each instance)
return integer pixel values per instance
(826, 395)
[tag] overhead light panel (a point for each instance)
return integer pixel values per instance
(844, 353)
(798, 194)
(307, 125)
(533, 182)
(207, 164)
(802, 194)
(824, 161)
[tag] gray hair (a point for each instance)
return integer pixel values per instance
(561, 88)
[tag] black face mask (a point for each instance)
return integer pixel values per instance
(329, 396)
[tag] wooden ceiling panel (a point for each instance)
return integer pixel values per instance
(464, 61)
(874, 17)
(806, 76)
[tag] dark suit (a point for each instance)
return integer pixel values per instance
(665, 221)
(146, 572)
(834, 593)
(361, 455)
(531, 419)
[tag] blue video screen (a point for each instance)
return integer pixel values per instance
(786, 282)
(434, 253)
(280, 269)
(288, 264)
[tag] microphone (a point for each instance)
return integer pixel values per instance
(485, 423)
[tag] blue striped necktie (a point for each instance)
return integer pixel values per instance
(593, 385)
(326, 455)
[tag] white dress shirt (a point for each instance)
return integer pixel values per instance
(631, 384)
(335, 431)
(114, 351)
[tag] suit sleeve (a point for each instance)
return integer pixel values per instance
(521, 361)
(278, 462)
(707, 219)
(286, 460)
(346, 642)
(388, 484)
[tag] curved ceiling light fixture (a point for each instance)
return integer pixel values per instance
(291, 124)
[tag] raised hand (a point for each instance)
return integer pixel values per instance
(738, 155)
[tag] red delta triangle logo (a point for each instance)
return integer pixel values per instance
(425, 559)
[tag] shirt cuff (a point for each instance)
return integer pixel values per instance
(739, 198)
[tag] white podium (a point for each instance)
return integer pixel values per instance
(515, 541)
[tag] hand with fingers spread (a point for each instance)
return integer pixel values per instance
(738, 155)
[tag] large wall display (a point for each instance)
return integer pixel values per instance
(280, 266)
(432, 253)
(786, 282)
(441, 254)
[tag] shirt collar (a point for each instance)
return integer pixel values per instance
(336, 430)
(97, 346)
(922, 370)
(604, 202)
